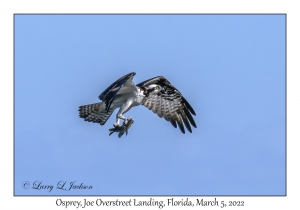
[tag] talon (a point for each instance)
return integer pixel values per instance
(121, 129)
(116, 125)
(128, 120)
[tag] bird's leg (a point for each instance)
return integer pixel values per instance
(120, 116)
(117, 124)
(125, 107)
(121, 129)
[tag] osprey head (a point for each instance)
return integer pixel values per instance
(153, 88)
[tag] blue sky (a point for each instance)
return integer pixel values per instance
(231, 69)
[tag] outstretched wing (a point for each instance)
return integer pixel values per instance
(166, 101)
(100, 112)
(121, 86)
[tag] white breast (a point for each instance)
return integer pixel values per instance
(139, 96)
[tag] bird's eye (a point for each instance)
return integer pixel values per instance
(156, 87)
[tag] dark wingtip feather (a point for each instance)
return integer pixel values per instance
(173, 123)
(180, 125)
(185, 121)
(190, 117)
(182, 129)
(189, 107)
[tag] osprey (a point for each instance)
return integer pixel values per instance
(157, 94)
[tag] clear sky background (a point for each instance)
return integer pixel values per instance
(231, 69)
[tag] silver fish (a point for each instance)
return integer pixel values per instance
(122, 129)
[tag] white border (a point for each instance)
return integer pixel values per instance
(10, 7)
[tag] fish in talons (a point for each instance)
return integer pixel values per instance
(121, 129)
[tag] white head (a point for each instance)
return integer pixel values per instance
(154, 88)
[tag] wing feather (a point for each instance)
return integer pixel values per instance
(110, 93)
(165, 111)
(159, 107)
(169, 103)
(95, 113)
(179, 122)
(185, 121)
(190, 117)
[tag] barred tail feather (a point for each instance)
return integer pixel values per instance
(95, 113)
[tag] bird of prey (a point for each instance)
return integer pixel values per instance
(157, 94)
